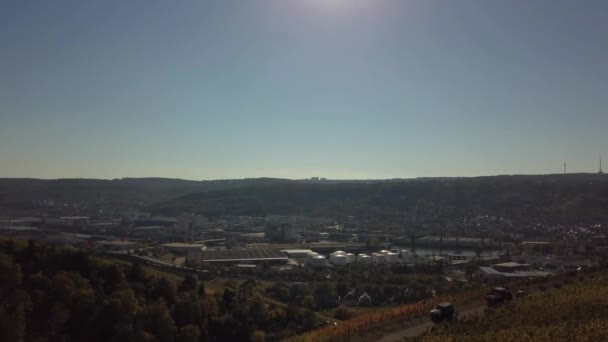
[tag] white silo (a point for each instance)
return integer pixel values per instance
(364, 258)
(311, 255)
(392, 258)
(338, 260)
(350, 258)
(378, 258)
(318, 261)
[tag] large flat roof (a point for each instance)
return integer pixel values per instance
(489, 270)
(116, 243)
(525, 274)
(304, 245)
(18, 228)
(449, 239)
(151, 228)
(296, 251)
(240, 255)
(510, 264)
(182, 245)
(520, 274)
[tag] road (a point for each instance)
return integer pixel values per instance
(419, 329)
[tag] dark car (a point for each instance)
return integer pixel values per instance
(443, 311)
(498, 295)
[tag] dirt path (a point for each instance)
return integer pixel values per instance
(419, 329)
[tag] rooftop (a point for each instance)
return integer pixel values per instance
(151, 228)
(116, 243)
(182, 245)
(297, 251)
(521, 274)
(337, 245)
(18, 228)
(26, 219)
(239, 255)
(510, 264)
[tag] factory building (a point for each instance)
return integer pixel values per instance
(283, 232)
(188, 224)
(245, 256)
(297, 253)
(115, 246)
(510, 270)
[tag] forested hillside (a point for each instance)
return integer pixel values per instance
(50, 294)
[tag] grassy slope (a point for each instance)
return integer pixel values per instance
(576, 311)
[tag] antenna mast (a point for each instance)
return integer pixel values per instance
(600, 171)
(565, 164)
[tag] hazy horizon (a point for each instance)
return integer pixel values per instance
(308, 178)
(342, 89)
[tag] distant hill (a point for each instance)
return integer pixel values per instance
(573, 197)
(576, 197)
(23, 192)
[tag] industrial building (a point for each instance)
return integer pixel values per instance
(68, 221)
(283, 232)
(76, 221)
(297, 253)
(115, 246)
(25, 222)
(183, 248)
(432, 241)
(253, 256)
(188, 224)
(510, 270)
(24, 231)
(155, 221)
(319, 247)
(536, 247)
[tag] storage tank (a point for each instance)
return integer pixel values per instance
(364, 258)
(385, 251)
(312, 255)
(317, 261)
(378, 258)
(338, 253)
(350, 258)
(392, 258)
(405, 253)
(338, 260)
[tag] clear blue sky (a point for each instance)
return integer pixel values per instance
(300, 88)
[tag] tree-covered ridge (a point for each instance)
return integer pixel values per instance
(115, 193)
(576, 311)
(559, 198)
(50, 294)
(554, 198)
